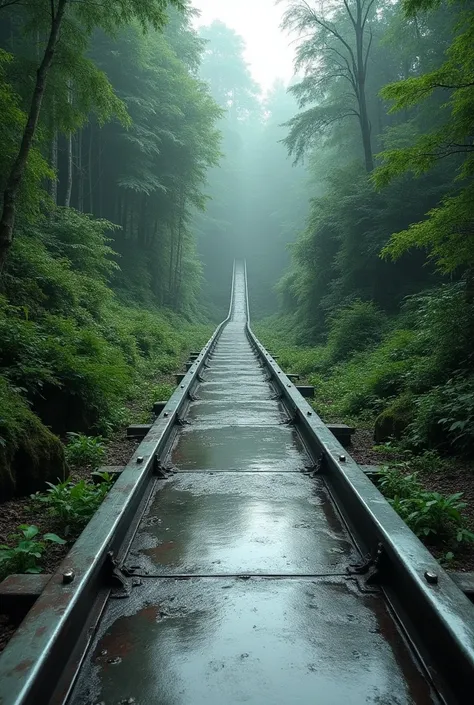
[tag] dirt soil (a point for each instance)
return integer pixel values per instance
(457, 476)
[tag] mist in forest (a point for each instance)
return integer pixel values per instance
(146, 144)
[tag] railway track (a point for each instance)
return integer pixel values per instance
(243, 557)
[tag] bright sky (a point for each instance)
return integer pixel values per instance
(269, 53)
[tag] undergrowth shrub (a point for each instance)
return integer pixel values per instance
(353, 329)
(430, 515)
(73, 504)
(85, 451)
(26, 550)
(444, 417)
(72, 355)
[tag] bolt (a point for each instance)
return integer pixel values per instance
(140, 459)
(431, 577)
(68, 577)
(182, 386)
(342, 458)
(288, 385)
(166, 413)
(309, 413)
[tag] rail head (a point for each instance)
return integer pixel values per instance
(45, 640)
(435, 613)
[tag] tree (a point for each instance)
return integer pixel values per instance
(90, 15)
(447, 233)
(334, 54)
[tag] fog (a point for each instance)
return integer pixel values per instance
(268, 51)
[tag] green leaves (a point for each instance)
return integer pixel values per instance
(428, 514)
(85, 451)
(73, 504)
(26, 551)
(446, 232)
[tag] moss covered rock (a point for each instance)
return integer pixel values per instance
(30, 454)
(395, 419)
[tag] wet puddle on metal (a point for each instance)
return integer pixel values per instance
(243, 413)
(223, 449)
(263, 523)
(261, 641)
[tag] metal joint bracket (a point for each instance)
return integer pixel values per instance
(369, 567)
(293, 420)
(117, 577)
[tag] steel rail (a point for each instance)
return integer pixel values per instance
(63, 616)
(436, 615)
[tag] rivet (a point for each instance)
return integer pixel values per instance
(166, 413)
(288, 385)
(431, 577)
(342, 458)
(140, 459)
(182, 386)
(309, 413)
(68, 577)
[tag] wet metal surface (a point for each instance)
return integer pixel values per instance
(223, 523)
(261, 642)
(248, 449)
(238, 506)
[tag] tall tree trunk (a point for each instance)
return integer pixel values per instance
(15, 177)
(53, 186)
(69, 175)
(365, 130)
(361, 97)
(67, 196)
(99, 172)
(80, 174)
(89, 169)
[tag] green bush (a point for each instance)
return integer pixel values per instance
(444, 417)
(85, 451)
(353, 329)
(26, 551)
(428, 514)
(73, 504)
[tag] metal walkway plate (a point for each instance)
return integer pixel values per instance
(242, 448)
(228, 524)
(258, 642)
(243, 413)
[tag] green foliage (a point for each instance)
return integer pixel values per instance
(85, 451)
(73, 504)
(25, 553)
(446, 233)
(353, 329)
(444, 417)
(430, 515)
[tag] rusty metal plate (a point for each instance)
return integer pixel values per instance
(231, 448)
(227, 641)
(226, 524)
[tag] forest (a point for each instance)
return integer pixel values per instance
(139, 157)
